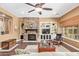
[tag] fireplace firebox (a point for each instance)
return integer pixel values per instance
(31, 37)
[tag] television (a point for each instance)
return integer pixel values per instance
(45, 31)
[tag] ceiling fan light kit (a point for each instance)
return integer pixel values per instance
(38, 8)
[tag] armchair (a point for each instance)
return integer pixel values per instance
(58, 40)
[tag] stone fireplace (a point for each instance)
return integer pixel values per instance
(31, 36)
(31, 29)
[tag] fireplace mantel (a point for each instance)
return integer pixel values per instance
(36, 30)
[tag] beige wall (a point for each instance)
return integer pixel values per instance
(70, 14)
(47, 20)
(14, 32)
(71, 19)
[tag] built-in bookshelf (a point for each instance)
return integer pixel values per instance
(47, 29)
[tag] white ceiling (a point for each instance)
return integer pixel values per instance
(21, 9)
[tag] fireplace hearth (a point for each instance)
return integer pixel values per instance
(31, 37)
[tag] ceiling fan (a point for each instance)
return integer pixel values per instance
(38, 8)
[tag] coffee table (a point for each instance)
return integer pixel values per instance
(46, 48)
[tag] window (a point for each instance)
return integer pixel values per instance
(5, 24)
(71, 32)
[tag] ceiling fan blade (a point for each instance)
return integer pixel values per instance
(37, 5)
(41, 4)
(31, 11)
(40, 13)
(47, 8)
(30, 4)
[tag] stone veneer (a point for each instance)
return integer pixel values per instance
(31, 32)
